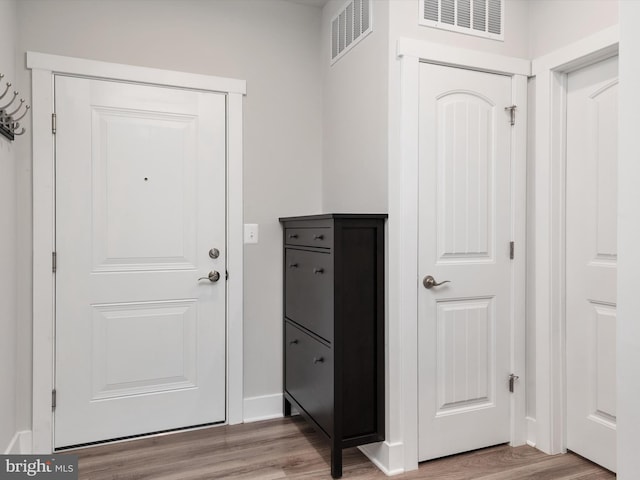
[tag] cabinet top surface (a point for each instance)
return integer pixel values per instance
(328, 216)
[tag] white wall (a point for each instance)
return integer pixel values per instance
(556, 23)
(628, 241)
(354, 168)
(8, 246)
(272, 44)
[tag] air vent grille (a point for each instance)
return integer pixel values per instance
(484, 18)
(351, 24)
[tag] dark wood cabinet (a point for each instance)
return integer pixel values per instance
(334, 326)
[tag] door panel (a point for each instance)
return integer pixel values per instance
(464, 234)
(144, 185)
(140, 200)
(465, 168)
(465, 331)
(124, 363)
(592, 159)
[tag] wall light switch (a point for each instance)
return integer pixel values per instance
(250, 233)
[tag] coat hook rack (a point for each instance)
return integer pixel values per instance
(11, 112)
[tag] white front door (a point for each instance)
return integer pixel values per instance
(464, 327)
(140, 202)
(592, 169)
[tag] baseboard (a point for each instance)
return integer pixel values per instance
(20, 444)
(388, 457)
(264, 407)
(532, 430)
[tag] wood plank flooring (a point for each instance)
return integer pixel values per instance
(289, 448)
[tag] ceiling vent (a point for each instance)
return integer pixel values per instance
(483, 18)
(352, 23)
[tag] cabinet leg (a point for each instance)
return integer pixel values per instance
(286, 409)
(336, 462)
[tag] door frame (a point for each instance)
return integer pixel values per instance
(400, 451)
(43, 69)
(548, 429)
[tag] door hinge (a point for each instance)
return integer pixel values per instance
(512, 381)
(226, 274)
(53, 123)
(512, 250)
(512, 113)
(54, 395)
(54, 262)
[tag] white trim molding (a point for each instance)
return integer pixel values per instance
(519, 263)
(550, 139)
(130, 73)
(531, 432)
(44, 67)
(264, 407)
(235, 260)
(462, 57)
(388, 457)
(400, 452)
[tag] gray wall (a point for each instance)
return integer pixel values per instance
(8, 245)
(557, 23)
(272, 44)
(355, 93)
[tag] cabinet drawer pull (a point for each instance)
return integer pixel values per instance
(293, 235)
(293, 265)
(318, 359)
(318, 237)
(294, 342)
(318, 270)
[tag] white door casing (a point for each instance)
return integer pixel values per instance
(464, 342)
(44, 67)
(140, 342)
(400, 451)
(591, 218)
(548, 429)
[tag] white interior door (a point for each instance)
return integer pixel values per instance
(140, 201)
(592, 169)
(464, 237)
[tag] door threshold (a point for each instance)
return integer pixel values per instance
(129, 438)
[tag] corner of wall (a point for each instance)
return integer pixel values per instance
(8, 244)
(20, 444)
(355, 91)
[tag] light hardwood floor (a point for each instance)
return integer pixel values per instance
(289, 448)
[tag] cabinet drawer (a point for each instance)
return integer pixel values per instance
(309, 237)
(309, 290)
(309, 375)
